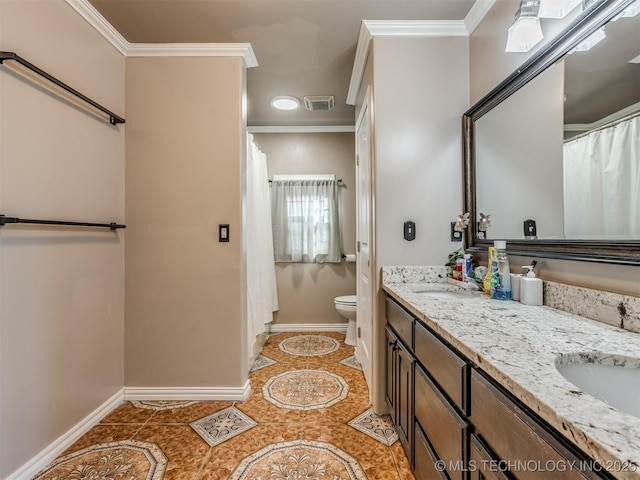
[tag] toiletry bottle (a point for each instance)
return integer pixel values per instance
(467, 268)
(487, 278)
(500, 274)
(530, 287)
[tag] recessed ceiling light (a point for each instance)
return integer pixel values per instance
(284, 102)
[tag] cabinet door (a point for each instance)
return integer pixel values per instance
(404, 398)
(390, 369)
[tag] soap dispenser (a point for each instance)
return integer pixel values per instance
(530, 287)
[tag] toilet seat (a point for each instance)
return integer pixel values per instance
(350, 300)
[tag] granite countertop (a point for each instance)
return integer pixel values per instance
(518, 345)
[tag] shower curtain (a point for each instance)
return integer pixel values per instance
(262, 296)
(602, 183)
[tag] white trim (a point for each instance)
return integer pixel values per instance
(583, 127)
(410, 28)
(54, 449)
(243, 50)
(477, 13)
(97, 21)
(308, 327)
(416, 28)
(102, 26)
(359, 64)
(302, 129)
(188, 393)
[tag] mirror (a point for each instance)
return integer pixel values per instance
(553, 152)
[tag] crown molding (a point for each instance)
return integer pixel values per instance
(102, 26)
(477, 13)
(243, 50)
(410, 28)
(302, 129)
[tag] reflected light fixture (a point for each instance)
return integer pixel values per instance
(592, 40)
(557, 8)
(525, 32)
(631, 11)
(285, 102)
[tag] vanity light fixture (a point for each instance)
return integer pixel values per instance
(525, 32)
(285, 102)
(592, 40)
(557, 8)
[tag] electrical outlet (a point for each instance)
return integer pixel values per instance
(223, 232)
(456, 236)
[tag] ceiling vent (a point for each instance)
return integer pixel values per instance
(318, 103)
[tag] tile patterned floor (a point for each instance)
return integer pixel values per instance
(321, 428)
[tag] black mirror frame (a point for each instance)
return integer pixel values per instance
(616, 252)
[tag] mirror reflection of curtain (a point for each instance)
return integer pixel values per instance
(306, 225)
(602, 183)
(262, 295)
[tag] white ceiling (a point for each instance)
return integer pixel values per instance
(303, 47)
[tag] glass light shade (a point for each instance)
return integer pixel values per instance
(631, 11)
(284, 102)
(524, 34)
(592, 40)
(557, 8)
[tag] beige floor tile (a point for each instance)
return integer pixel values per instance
(190, 457)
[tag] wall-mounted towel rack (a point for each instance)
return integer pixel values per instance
(111, 226)
(338, 180)
(113, 118)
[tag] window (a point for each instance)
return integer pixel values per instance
(306, 223)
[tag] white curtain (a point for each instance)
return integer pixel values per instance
(602, 183)
(262, 295)
(306, 225)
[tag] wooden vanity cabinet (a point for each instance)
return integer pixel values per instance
(399, 389)
(526, 447)
(446, 409)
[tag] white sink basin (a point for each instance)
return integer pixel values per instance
(446, 294)
(614, 379)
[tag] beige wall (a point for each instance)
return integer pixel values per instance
(62, 290)
(306, 291)
(185, 292)
(489, 65)
(420, 89)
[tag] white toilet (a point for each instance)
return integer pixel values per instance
(347, 306)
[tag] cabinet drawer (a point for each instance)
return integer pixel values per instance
(425, 468)
(401, 322)
(481, 464)
(443, 427)
(445, 366)
(515, 437)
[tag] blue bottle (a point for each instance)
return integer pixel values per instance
(500, 278)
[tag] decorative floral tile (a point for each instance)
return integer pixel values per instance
(300, 459)
(309, 345)
(262, 361)
(305, 389)
(127, 459)
(378, 427)
(223, 425)
(162, 404)
(352, 362)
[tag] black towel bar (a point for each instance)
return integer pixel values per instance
(113, 118)
(111, 226)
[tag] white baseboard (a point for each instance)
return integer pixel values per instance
(188, 393)
(308, 327)
(64, 441)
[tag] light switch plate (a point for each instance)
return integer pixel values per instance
(223, 232)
